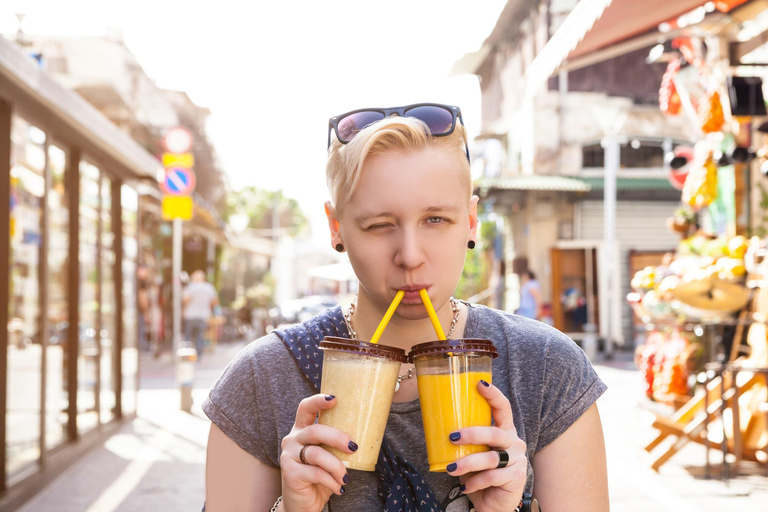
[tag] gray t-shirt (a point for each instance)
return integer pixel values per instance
(547, 378)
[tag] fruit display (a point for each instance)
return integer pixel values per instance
(706, 278)
(665, 361)
(713, 118)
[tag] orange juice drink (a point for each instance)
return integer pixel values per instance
(448, 373)
(362, 376)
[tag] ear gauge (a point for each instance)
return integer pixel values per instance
(339, 247)
(471, 244)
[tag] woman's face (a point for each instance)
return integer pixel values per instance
(407, 225)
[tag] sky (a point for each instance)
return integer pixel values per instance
(272, 73)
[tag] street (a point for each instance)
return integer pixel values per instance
(157, 461)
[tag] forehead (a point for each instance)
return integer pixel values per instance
(430, 175)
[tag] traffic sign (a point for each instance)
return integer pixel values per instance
(178, 160)
(177, 207)
(178, 181)
(177, 140)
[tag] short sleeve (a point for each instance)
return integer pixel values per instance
(571, 386)
(233, 405)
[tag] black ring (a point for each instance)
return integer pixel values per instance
(302, 455)
(503, 458)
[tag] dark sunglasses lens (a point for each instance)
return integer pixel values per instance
(439, 120)
(353, 123)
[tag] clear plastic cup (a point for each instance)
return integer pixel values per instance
(448, 372)
(362, 376)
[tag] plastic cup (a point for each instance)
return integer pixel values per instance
(448, 372)
(362, 376)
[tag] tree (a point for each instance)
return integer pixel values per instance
(261, 207)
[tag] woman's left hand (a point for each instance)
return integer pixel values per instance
(491, 488)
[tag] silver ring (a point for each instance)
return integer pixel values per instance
(303, 453)
(503, 458)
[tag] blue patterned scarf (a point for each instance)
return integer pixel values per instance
(401, 487)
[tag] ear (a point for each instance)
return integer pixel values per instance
(473, 221)
(333, 224)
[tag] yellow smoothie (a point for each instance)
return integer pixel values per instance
(450, 402)
(363, 387)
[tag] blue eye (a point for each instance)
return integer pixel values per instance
(435, 220)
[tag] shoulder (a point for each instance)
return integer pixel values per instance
(515, 330)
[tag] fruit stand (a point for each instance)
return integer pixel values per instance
(704, 308)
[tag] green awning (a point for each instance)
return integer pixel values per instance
(630, 183)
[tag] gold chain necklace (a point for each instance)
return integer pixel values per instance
(455, 307)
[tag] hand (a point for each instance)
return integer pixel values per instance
(492, 489)
(307, 487)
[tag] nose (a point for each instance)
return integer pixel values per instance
(410, 254)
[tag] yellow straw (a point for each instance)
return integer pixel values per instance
(387, 316)
(432, 314)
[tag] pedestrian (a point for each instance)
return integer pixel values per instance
(530, 297)
(199, 300)
(402, 208)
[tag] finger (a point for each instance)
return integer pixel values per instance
(317, 456)
(500, 406)
(309, 407)
(494, 437)
(323, 434)
(485, 461)
(510, 479)
(297, 473)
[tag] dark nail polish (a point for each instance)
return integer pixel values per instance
(462, 488)
(346, 479)
(342, 490)
(484, 383)
(451, 467)
(330, 397)
(454, 436)
(352, 446)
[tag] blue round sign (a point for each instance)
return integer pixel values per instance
(178, 181)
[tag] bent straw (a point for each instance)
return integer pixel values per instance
(387, 316)
(432, 315)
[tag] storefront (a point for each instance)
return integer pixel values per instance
(69, 197)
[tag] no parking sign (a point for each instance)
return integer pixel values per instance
(178, 181)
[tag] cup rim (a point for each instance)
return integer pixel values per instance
(463, 345)
(363, 348)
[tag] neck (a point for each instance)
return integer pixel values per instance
(406, 329)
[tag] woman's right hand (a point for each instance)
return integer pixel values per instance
(307, 487)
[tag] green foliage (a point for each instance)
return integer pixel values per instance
(762, 229)
(260, 207)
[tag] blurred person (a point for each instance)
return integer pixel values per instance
(530, 296)
(199, 300)
(402, 208)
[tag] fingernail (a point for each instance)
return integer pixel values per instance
(462, 488)
(342, 490)
(346, 479)
(484, 383)
(352, 446)
(330, 397)
(454, 436)
(451, 467)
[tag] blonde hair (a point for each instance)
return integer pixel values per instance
(345, 161)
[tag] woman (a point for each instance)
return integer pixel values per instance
(402, 208)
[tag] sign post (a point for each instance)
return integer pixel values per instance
(178, 184)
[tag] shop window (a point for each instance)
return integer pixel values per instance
(132, 282)
(88, 324)
(57, 397)
(24, 351)
(107, 335)
(635, 154)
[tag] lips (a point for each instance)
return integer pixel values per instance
(412, 293)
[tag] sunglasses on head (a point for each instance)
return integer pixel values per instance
(440, 120)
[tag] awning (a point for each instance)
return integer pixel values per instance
(597, 24)
(626, 183)
(533, 182)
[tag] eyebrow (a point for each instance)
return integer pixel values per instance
(432, 209)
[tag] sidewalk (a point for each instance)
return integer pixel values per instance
(157, 461)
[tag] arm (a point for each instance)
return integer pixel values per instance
(231, 474)
(536, 294)
(571, 472)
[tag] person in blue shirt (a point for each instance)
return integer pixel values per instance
(530, 297)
